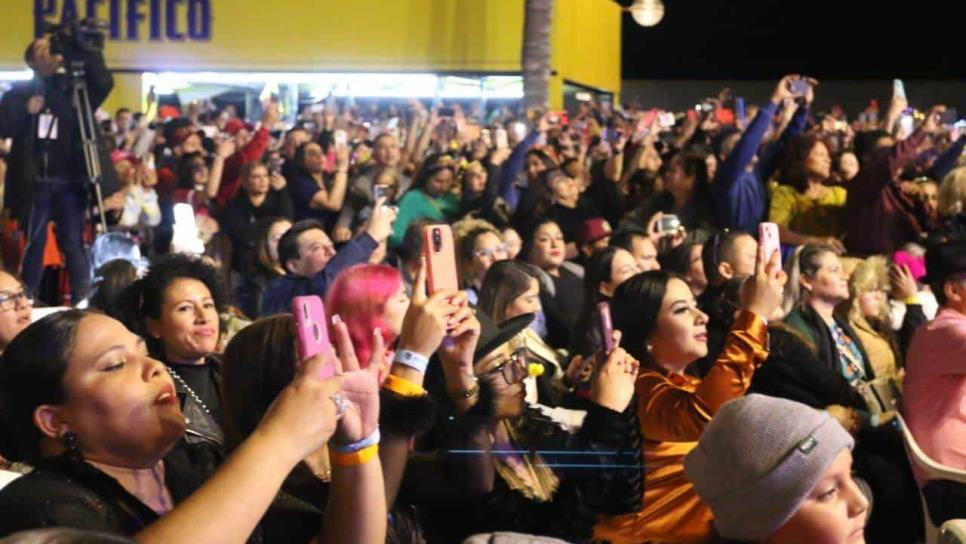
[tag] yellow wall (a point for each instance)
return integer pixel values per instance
(587, 43)
(350, 35)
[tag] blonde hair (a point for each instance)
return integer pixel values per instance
(952, 193)
(870, 274)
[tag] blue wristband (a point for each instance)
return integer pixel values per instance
(413, 360)
(358, 446)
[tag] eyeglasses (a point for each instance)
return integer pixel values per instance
(514, 369)
(10, 302)
(489, 252)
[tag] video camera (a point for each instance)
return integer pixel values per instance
(72, 36)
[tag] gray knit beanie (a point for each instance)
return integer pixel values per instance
(758, 460)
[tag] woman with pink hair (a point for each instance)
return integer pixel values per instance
(368, 297)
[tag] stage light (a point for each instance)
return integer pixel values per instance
(647, 12)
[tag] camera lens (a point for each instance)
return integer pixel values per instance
(437, 241)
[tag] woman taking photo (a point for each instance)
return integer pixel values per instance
(662, 325)
(536, 487)
(430, 197)
(313, 196)
(603, 274)
(84, 403)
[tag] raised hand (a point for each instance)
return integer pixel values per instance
(381, 220)
(456, 352)
(903, 284)
(578, 371)
(612, 385)
(762, 293)
(360, 387)
(782, 90)
(427, 319)
(304, 416)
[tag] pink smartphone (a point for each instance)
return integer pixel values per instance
(606, 326)
(769, 241)
(312, 330)
(440, 258)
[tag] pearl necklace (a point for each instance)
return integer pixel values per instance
(190, 391)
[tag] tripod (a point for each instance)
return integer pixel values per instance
(89, 132)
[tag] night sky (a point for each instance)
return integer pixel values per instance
(748, 39)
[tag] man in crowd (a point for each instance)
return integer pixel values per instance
(311, 262)
(48, 178)
(934, 402)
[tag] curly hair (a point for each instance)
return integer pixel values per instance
(145, 297)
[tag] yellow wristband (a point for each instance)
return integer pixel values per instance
(403, 387)
(360, 457)
(914, 299)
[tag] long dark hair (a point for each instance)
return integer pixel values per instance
(635, 307)
(259, 362)
(794, 172)
(504, 282)
(263, 262)
(299, 158)
(31, 375)
(111, 280)
(531, 232)
(145, 297)
(431, 166)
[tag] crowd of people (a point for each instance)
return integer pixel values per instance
(748, 396)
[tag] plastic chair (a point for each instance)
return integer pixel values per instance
(953, 532)
(933, 470)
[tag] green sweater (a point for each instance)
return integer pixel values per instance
(416, 205)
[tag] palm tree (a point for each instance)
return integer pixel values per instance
(535, 59)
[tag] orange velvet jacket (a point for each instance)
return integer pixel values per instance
(673, 410)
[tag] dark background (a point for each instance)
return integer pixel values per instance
(763, 39)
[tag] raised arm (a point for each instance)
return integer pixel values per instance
(332, 200)
(301, 420)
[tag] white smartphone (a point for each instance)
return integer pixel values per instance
(898, 88)
(341, 138)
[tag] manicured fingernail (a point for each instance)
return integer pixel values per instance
(377, 332)
(336, 319)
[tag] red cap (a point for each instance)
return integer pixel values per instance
(234, 125)
(592, 230)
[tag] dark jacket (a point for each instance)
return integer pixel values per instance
(238, 218)
(65, 492)
(741, 196)
(31, 159)
(203, 437)
(806, 321)
(793, 371)
(280, 292)
(881, 218)
(600, 472)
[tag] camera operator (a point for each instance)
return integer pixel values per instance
(48, 179)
